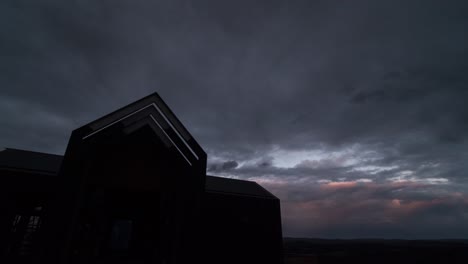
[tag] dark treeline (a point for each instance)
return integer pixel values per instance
(324, 251)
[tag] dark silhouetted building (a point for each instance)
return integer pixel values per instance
(132, 188)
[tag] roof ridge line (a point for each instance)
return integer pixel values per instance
(32, 151)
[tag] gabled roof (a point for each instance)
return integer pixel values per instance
(237, 187)
(50, 164)
(29, 161)
(153, 111)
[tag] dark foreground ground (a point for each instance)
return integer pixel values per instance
(324, 251)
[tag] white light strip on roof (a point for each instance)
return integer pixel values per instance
(141, 109)
(177, 131)
(164, 108)
(118, 120)
(152, 117)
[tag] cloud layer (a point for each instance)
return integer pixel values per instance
(353, 113)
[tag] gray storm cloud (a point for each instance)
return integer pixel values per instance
(324, 102)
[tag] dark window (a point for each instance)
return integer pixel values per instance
(31, 228)
(121, 234)
(23, 230)
(16, 222)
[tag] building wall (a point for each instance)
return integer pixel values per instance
(234, 229)
(146, 177)
(25, 199)
(241, 229)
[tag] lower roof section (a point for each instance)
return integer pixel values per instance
(25, 160)
(236, 187)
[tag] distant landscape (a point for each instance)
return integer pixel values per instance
(324, 251)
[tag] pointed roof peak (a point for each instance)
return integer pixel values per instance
(153, 111)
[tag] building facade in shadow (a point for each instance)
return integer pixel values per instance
(132, 188)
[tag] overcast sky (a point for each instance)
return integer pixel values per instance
(352, 112)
